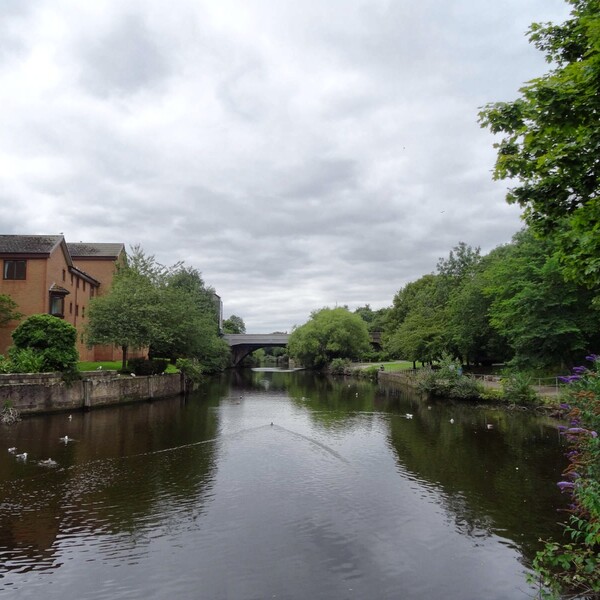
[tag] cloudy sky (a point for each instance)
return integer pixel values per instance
(299, 154)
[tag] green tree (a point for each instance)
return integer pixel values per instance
(51, 340)
(417, 324)
(167, 309)
(375, 319)
(129, 316)
(234, 324)
(329, 333)
(8, 310)
(551, 141)
(545, 320)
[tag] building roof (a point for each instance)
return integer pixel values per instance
(89, 250)
(57, 289)
(29, 244)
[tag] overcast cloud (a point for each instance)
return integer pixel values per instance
(299, 154)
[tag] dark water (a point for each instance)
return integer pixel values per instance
(343, 497)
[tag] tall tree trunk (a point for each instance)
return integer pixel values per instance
(124, 351)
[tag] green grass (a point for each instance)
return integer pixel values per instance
(397, 365)
(113, 366)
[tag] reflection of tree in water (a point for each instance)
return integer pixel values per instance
(492, 480)
(133, 469)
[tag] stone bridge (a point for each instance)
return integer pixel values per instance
(243, 344)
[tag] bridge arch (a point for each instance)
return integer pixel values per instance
(243, 344)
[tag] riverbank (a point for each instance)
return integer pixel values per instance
(37, 393)
(409, 378)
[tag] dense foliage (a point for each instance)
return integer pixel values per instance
(551, 141)
(8, 310)
(511, 305)
(330, 333)
(43, 343)
(234, 324)
(573, 566)
(166, 309)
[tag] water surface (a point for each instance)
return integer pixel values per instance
(278, 485)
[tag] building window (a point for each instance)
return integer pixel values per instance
(64, 275)
(57, 305)
(84, 285)
(71, 278)
(92, 291)
(78, 283)
(15, 269)
(70, 308)
(77, 310)
(83, 312)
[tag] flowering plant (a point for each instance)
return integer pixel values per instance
(574, 567)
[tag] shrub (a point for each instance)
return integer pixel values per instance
(574, 567)
(338, 366)
(191, 368)
(143, 366)
(25, 360)
(448, 380)
(516, 388)
(50, 338)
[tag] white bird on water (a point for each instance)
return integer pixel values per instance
(13, 449)
(70, 417)
(22, 456)
(66, 439)
(408, 416)
(48, 463)
(451, 420)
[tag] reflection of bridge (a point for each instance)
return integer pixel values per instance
(243, 344)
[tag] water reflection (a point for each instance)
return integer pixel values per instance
(279, 484)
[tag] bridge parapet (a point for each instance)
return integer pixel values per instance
(264, 339)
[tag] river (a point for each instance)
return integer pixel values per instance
(268, 484)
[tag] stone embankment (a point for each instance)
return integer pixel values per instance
(33, 393)
(491, 382)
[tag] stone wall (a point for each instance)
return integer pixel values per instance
(47, 392)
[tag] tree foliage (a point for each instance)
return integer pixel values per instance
(8, 310)
(329, 333)
(48, 342)
(551, 141)
(234, 324)
(544, 319)
(168, 309)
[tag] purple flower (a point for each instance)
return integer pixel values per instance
(579, 370)
(561, 428)
(574, 475)
(565, 406)
(592, 357)
(565, 485)
(594, 434)
(569, 378)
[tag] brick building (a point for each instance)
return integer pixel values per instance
(44, 274)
